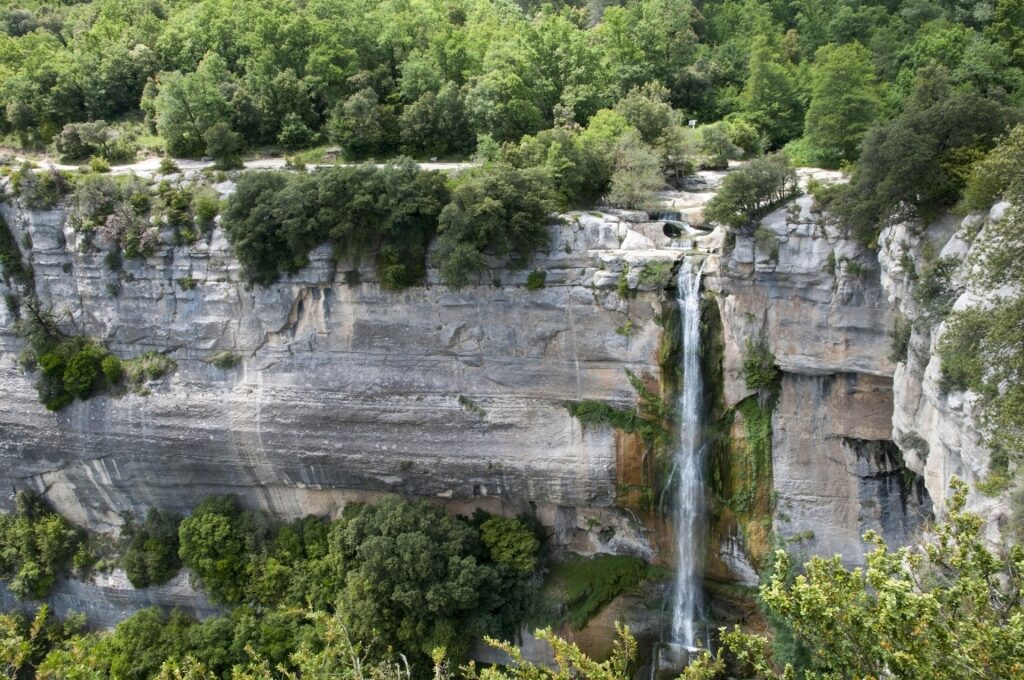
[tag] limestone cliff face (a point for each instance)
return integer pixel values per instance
(938, 431)
(343, 390)
(814, 298)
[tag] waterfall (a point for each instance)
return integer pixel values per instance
(689, 468)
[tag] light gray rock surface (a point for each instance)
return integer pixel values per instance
(342, 388)
(814, 298)
(938, 431)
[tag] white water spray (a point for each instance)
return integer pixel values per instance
(689, 465)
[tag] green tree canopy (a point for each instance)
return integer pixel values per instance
(845, 101)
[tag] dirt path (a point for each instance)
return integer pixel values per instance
(150, 166)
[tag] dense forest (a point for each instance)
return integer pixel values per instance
(561, 105)
(446, 77)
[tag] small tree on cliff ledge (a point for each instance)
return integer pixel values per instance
(950, 609)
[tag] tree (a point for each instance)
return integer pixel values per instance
(152, 555)
(498, 210)
(436, 123)
(949, 609)
(510, 544)
(36, 544)
(716, 145)
(750, 192)
(647, 109)
(413, 579)
(915, 165)
(78, 141)
(362, 125)
(224, 145)
(771, 97)
(637, 174)
(1007, 29)
(188, 105)
(252, 222)
(845, 101)
(501, 104)
(213, 545)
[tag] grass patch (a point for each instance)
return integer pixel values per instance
(587, 585)
(147, 367)
(470, 406)
(655, 273)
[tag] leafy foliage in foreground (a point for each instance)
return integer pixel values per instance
(951, 609)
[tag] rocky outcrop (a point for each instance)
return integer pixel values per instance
(109, 598)
(344, 391)
(813, 297)
(937, 430)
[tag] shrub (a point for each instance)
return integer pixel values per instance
(36, 545)
(14, 268)
(205, 206)
(225, 360)
(83, 373)
(152, 554)
(168, 166)
(39, 190)
(536, 279)
(759, 370)
(983, 350)
(934, 292)
(767, 242)
(99, 164)
(148, 366)
(750, 192)
(899, 340)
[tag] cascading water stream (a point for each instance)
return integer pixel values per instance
(689, 467)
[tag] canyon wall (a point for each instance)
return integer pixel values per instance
(345, 391)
